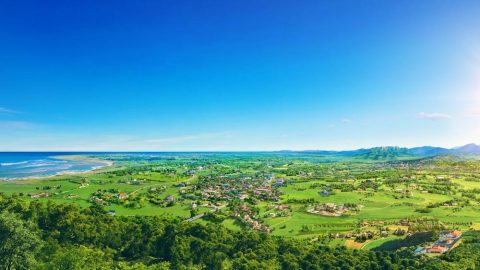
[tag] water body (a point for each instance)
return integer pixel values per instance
(30, 165)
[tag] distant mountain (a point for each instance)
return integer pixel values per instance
(467, 149)
(388, 153)
(428, 151)
(434, 151)
(383, 153)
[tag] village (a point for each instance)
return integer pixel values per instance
(368, 203)
(332, 209)
(242, 192)
(249, 187)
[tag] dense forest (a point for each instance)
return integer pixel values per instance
(48, 235)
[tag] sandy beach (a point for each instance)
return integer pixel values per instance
(96, 164)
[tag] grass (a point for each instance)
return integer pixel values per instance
(385, 205)
(394, 243)
(373, 244)
(355, 245)
(381, 206)
(70, 185)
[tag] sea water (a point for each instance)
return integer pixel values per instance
(36, 164)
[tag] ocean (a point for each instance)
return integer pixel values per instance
(18, 165)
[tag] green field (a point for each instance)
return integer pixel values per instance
(428, 195)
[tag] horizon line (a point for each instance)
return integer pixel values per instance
(214, 151)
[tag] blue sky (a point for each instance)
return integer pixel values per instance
(238, 75)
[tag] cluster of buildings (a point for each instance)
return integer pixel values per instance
(133, 181)
(278, 210)
(446, 241)
(242, 186)
(106, 197)
(246, 215)
(330, 209)
(255, 224)
(193, 171)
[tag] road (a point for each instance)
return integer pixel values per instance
(203, 214)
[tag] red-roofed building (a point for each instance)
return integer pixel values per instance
(436, 249)
(454, 234)
(122, 195)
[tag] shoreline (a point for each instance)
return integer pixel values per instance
(106, 164)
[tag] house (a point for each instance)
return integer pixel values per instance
(445, 243)
(436, 249)
(364, 224)
(190, 172)
(451, 234)
(39, 195)
(279, 182)
(181, 185)
(122, 196)
(169, 199)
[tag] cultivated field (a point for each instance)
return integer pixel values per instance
(339, 200)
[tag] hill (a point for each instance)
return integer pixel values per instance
(384, 153)
(467, 149)
(428, 151)
(389, 153)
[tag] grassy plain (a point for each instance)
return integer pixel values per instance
(394, 193)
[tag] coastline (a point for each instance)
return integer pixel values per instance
(106, 164)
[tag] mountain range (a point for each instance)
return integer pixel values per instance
(431, 151)
(395, 152)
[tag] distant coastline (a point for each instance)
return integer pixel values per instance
(49, 166)
(107, 163)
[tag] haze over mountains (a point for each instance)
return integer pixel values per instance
(394, 152)
(431, 150)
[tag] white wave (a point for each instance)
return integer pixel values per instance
(38, 171)
(62, 167)
(13, 163)
(40, 164)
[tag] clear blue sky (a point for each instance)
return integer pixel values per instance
(238, 75)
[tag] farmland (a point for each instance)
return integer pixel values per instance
(337, 200)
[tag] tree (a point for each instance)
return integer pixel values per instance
(78, 258)
(193, 212)
(18, 242)
(141, 266)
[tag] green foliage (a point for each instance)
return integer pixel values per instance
(18, 242)
(77, 258)
(430, 194)
(77, 238)
(385, 153)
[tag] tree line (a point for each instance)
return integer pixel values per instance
(46, 235)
